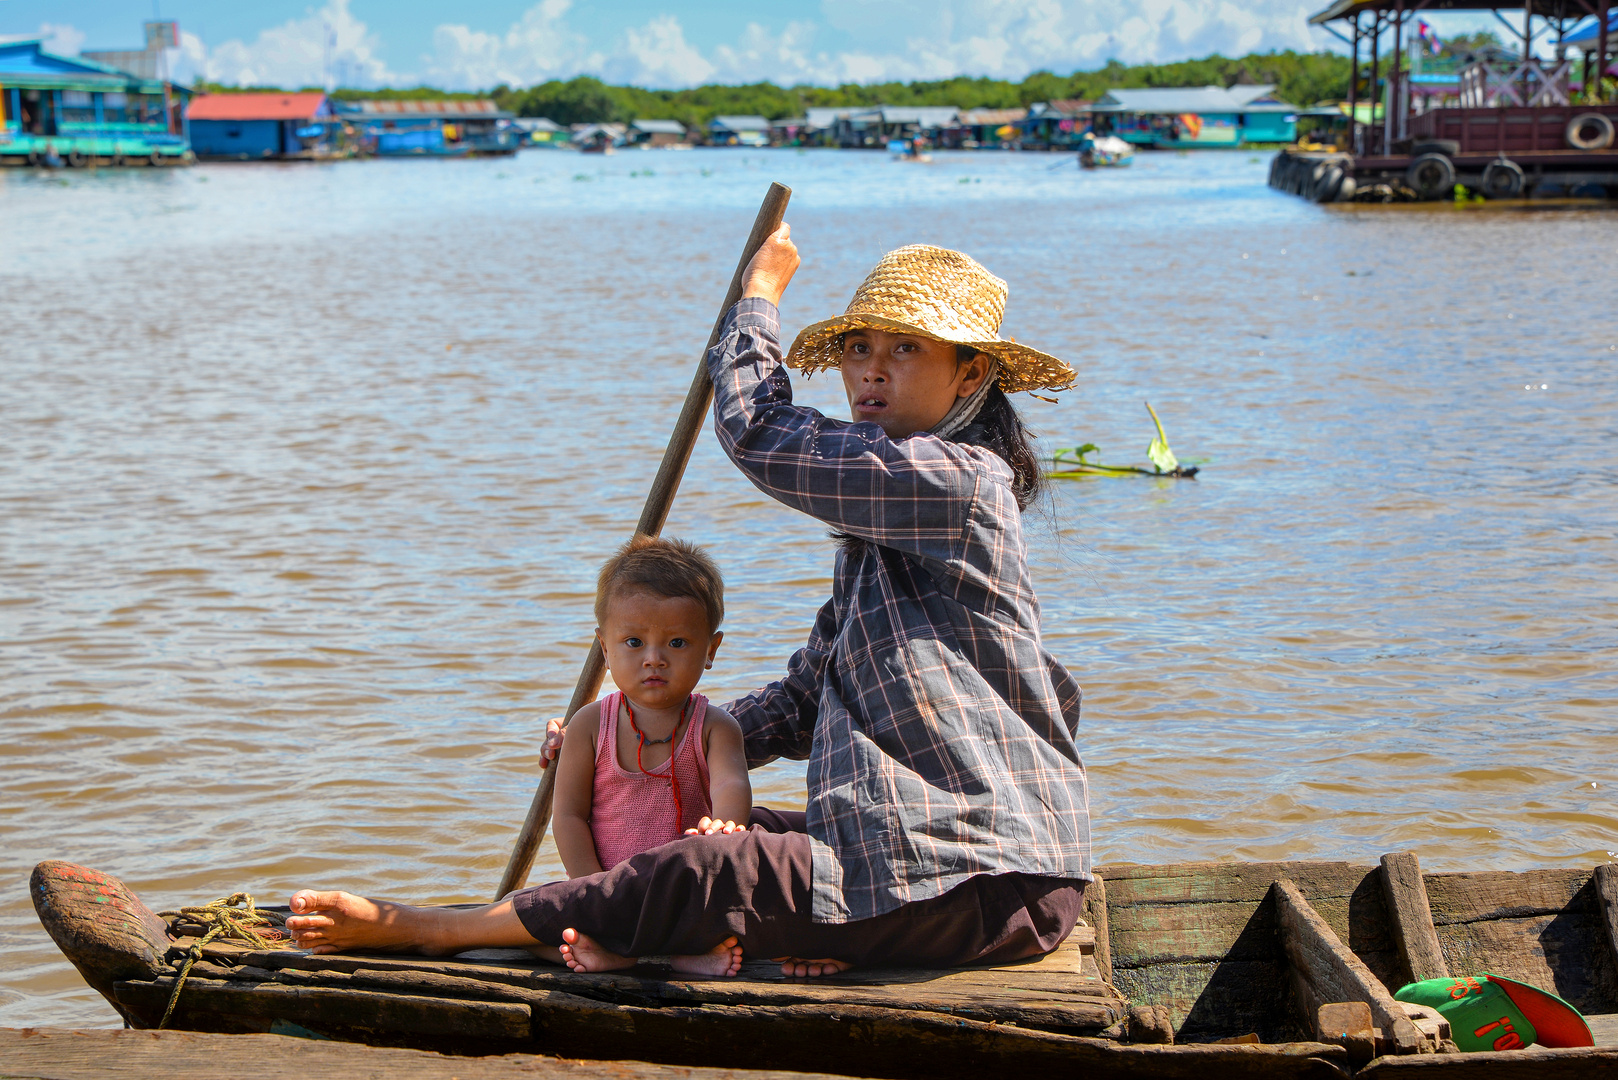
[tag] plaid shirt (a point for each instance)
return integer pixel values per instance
(938, 730)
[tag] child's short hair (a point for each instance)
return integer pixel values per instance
(665, 568)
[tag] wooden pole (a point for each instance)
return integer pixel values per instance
(1601, 54)
(652, 517)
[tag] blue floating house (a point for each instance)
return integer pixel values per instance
(258, 126)
(57, 109)
(1197, 116)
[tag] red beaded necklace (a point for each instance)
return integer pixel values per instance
(674, 780)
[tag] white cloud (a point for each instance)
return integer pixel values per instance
(322, 48)
(538, 46)
(851, 41)
(657, 55)
(61, 39)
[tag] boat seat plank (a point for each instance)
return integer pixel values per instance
(1327, 971)
(1411, 918)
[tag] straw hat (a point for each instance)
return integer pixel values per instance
(940, 294)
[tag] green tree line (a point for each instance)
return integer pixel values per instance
(1301, 78)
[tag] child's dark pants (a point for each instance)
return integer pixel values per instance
(686, 897)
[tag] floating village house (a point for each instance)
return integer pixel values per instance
(1197, 116)
(259, 126)
(739, 131)
(986, 129)
(431, 128)
(1056, 125)
(540, 131)
(83, 112)
(657, 133)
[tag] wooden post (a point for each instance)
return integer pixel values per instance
(1607, 891)
(1376, 69)
(1413, 929)
(1601, 51)
(1327, 971)
(1095, 910)
(1354, 89)
(1392, 106)
(658, 501)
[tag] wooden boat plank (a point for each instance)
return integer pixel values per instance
(1231, 883)
(1534, 1063)
(1095, 913)
(1029, 994)
(1411, 918)
(1211, 999)
(1046, 1013)
(1497, 894)
(1329, 972)
(111, 1054)
(849, 1039)
(335, 1006)
(1606, 879)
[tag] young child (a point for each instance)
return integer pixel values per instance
(653, 761)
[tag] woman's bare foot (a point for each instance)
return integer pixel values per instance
(794, 968)
(328, 922)
(582, 953)
(723, 959)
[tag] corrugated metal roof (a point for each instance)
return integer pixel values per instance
(659, 127)
(741, 123)
(820, 117)
(926, 116)
(1344, 8)
(537, 123)
(1191, 99)
(979, 117)
(1592, 32)
(1247, 95)
(482, 109)
(259, 106)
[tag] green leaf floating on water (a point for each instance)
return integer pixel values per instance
(1159, 451)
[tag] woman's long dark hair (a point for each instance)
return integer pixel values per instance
(999, 428)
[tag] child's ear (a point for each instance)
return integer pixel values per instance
(713, 646)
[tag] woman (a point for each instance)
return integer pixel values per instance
(948, 817)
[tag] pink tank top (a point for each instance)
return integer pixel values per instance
(632, 812)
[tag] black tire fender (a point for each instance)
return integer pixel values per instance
(1503, 179)
(1602, 137)
(1431, 176)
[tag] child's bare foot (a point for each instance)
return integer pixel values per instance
(328, 922)
(723, 959)
(548, 953)
(794, 968)
(582, 953)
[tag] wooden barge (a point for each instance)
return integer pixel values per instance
(1231, 969)
(1503, 129)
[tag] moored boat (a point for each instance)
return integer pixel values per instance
(1104, 151)
(1238, 969)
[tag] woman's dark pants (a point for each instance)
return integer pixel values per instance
(686, 897)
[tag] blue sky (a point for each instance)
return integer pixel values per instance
(667, 43)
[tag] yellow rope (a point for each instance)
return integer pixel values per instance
(222, 919)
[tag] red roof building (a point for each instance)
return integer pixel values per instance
(303, 105)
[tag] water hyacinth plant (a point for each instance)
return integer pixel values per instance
(1074, 461)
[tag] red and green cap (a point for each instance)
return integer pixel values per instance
(1488, 1012)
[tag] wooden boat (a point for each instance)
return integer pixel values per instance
(1203, 969)
(1104, 151)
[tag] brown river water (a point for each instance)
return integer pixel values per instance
(305, 472)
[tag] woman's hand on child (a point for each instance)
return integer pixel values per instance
(555, 731)
(772, 267)
(708, 826)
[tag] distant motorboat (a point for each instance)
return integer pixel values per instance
(908, 150)
(1104, 151)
